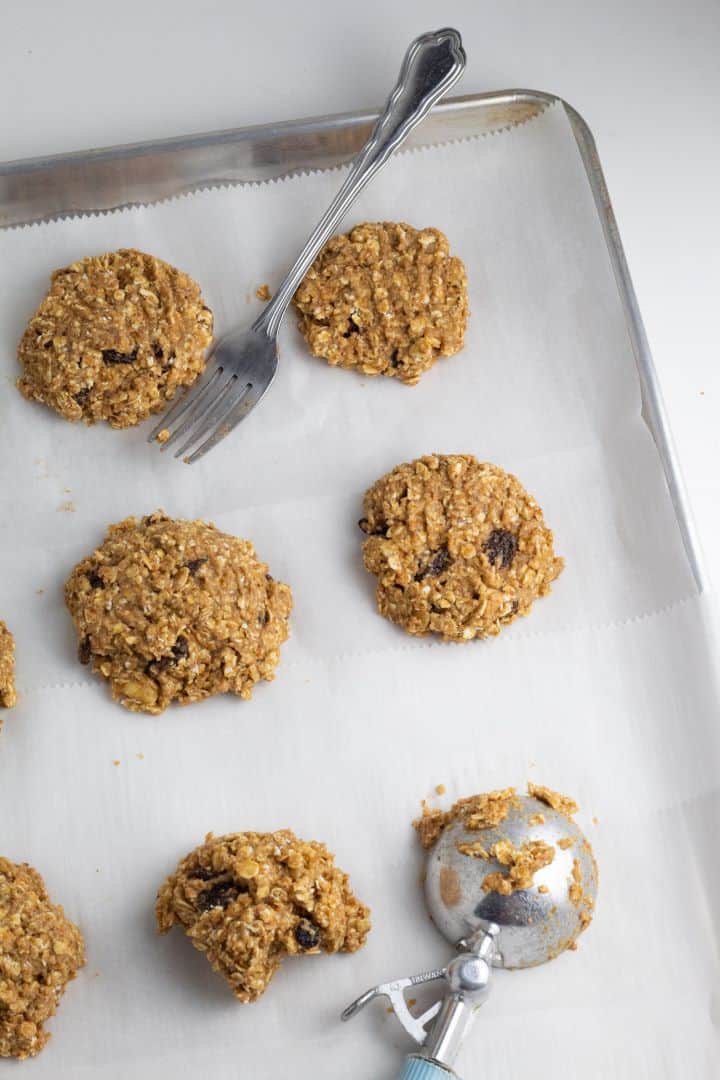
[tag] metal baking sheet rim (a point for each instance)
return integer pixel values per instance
(97, 181)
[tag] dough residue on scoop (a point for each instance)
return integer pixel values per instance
(477, 812)
(522, 864)
(562, 803)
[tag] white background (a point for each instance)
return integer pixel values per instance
(645, 75)
(647, 82)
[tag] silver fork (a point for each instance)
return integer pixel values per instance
(243, 363)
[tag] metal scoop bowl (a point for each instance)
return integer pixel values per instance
(513, 928)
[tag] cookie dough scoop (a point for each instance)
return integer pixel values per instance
(476, 896)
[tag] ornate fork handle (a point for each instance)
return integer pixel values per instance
(433, 63)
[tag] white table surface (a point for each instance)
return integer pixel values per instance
(645, 75)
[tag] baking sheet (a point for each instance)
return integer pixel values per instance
(606, 691)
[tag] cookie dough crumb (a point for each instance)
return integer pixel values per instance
(248, 900)
(536, 819)
(8, 697)
(459, 548)
(114, 339)
(475, 850)
(170, 610)
(263, 292)
(575, 890)
(522, 863)
(384, 299)
(40, 952)
(477, 811)
(565, 842)
(543, 889)
(116, 761)
(163, 436)
(554, 799)
(440, 789)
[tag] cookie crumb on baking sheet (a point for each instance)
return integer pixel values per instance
(263, 292)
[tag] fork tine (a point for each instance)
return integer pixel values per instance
(241, 408)
(209, 418)
(207, 400)
(193, 393)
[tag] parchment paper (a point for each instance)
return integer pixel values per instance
(607, 691)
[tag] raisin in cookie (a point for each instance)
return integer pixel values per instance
(40, 952)
(177, 610)
(459, 548)
(114, 338)
(7, 668)
(250, 899)
(385, 299)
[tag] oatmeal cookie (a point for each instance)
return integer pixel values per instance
(7, 668)
(459, 548)
(40, 952)
(177, 610)
(386, 299)
(248, 900)
(114, 338)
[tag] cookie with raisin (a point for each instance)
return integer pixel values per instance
(459, 547)
(170, 610)
(249, 900)
(114, 338)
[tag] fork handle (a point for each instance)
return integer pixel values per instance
(433, 63)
